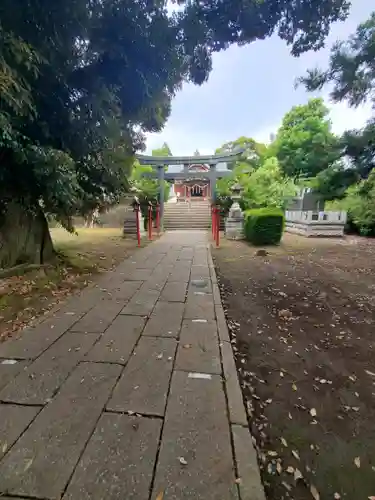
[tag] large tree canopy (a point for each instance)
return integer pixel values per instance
(305, 144)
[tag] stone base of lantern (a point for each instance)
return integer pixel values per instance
(234, 223)
(234, 229)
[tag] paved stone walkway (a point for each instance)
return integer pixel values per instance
(130, 390)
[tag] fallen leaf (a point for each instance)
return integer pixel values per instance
(160, 496)
(314, 492)
(272, 453)
(182, 461)
(4, 447)
(297, 475)
(357, 462)
(238, 480)
(290, 470)
(290, 416)
(159, 356)
(284, 443)
(313, 412)
(295, 454)
(28, 464)
(279, 468)
(286, 486)
(281, 374)
(337, 496)
(294, 387)
(186, 346)
(372, 374)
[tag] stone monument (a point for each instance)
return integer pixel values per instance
(235, 220)
(132, 211)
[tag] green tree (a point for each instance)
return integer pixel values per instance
(163, 151)
(305, 144)
(266, 186)
(252, 155)
(351, 69)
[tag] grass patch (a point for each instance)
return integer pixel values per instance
(33, 292)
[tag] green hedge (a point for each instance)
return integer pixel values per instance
(264, 226)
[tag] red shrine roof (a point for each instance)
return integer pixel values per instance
(199, 168)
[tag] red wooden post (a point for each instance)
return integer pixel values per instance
(158, 218)
(136, 208)
(150, 222)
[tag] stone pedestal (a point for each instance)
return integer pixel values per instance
(130, 222)
(234, 223)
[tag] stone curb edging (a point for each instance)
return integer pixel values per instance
(249, 484)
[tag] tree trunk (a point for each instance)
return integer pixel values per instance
(89, 219)
(24, 236)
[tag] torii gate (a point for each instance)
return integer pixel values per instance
(160, 162)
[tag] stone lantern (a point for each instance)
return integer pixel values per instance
(235, 220)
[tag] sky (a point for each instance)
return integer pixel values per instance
(249, 91)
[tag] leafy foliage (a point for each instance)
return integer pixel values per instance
(264, 226)
(165, 150)
(267, 186)
(305, 144)
(351, 68)
(360, 204)
(252, 153)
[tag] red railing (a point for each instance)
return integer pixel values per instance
(215, 225)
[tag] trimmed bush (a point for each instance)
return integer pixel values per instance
(264, 226)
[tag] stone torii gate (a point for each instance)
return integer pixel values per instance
(158, 163)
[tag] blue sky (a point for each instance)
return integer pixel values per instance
(249, 91)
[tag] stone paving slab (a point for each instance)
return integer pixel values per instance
(199, 272)
(117, 343)
(179, 274)
(9, 371)
(196, 429)
(139, 275)
(31, 342)
(98, 319)
(250, 485)
(40, 380)
(144, 384)
(119, 460)
(198, 349)
(174, 292)
(43, 459)
(165, 320)
(13, 421)
(123, 292)
(142, 303)
(200, 307)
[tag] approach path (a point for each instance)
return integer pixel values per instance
(130, 390)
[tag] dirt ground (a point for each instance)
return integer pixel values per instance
(302, 326)
(26, 298)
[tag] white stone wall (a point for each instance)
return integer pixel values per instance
(310, 223)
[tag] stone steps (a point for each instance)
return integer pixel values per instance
(195, 215)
